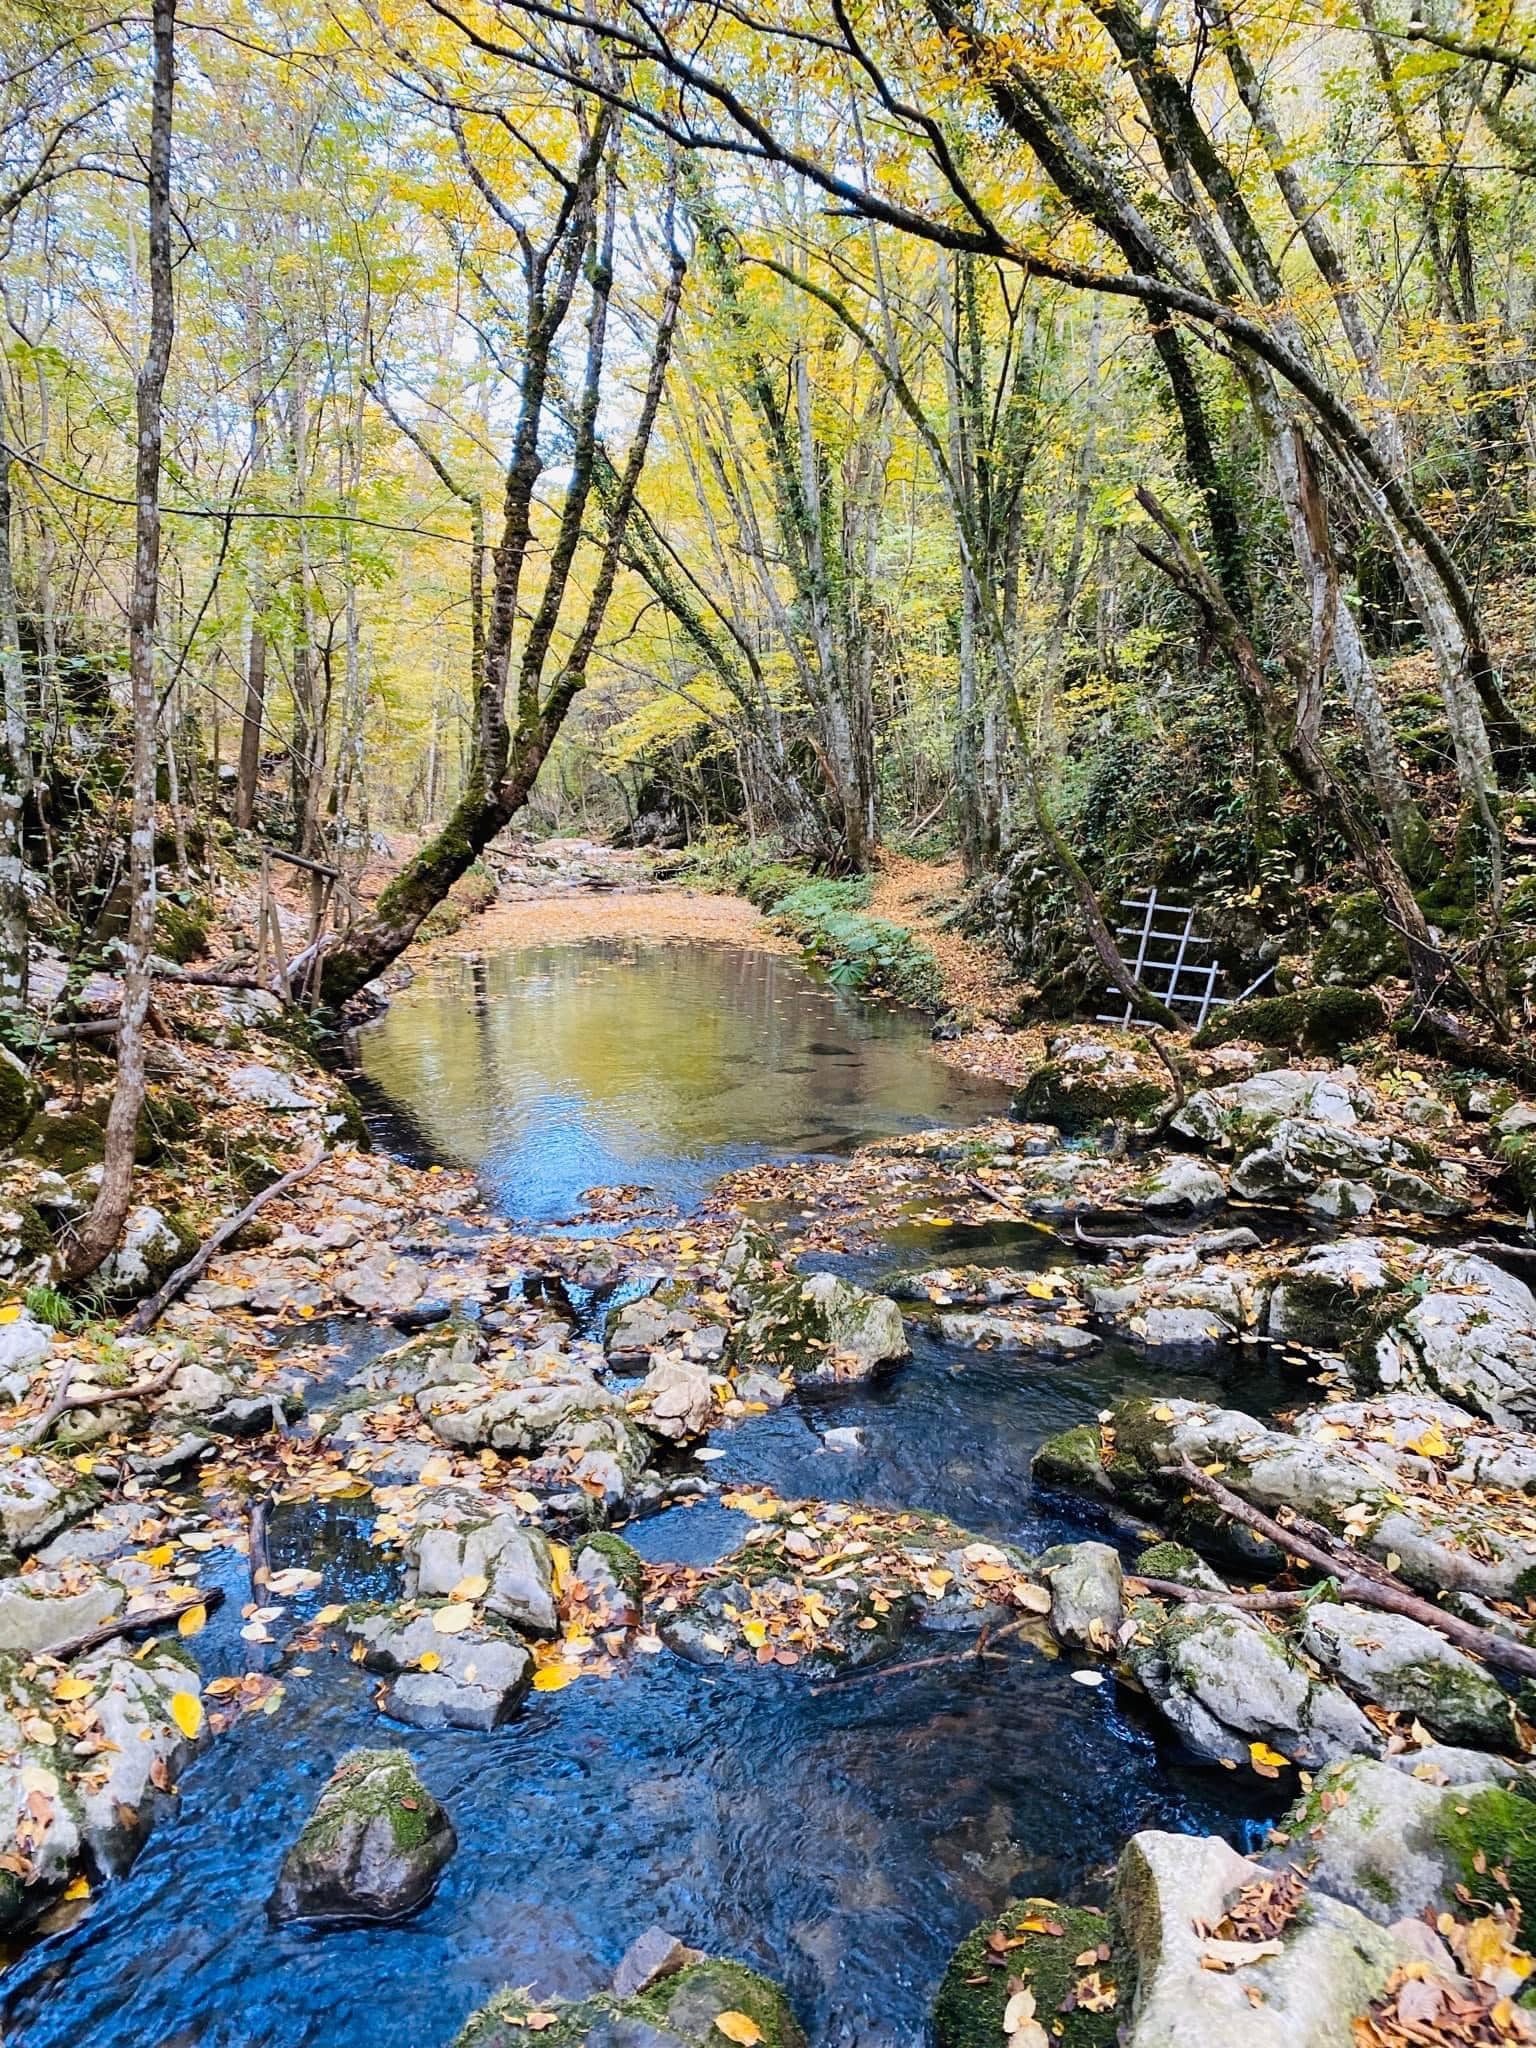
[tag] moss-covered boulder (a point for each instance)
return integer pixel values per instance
(19, 1097)
(1490, 1837)
(373, 1849)
(682, 2010)
(1069, 1958)
(611, 1576)
(1359, 947)
(67, 1140)
(181, 929)
(822, 1331)
(1093, 1077)
(1312, 1020)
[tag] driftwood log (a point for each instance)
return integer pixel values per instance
(1359, 1578)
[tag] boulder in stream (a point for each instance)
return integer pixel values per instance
(373, 1848)
(702, 2004)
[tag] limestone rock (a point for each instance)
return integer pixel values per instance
(1402, 1665)
(1333, 1291)
(266, 1088)
(678, 1396)
(1334, 1961)
(149, 1249)
(1017, 1331)
(39, 1496)
(1087, 1586)
(467, 1541)
(1093, 1076)
(479, 1679)
(1331, 1096)
(1471, 1337)
(1178, 1301)
(1183, 1187)
(373, 1848)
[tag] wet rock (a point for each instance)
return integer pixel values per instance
(681, 2009)
(650, 1957)
(100, 1809)
(467, 1544)
(1087, 1587)
(974, 1286)
(1177, 1301)
(853, 1624)
(678, 1397)
(593, 1465)
(1402, 1665)
(1092, 1077)
(1471, 1336)
(1184, 1187)
(373, 1848)
(612, 1578)
(266, 1088)
(1339, 1200)
(636, 1329)
(822, 1330)
(475, 1678)
(1333, 1960)
(1223, 1682)
(422, 1315)
(1018, 1332)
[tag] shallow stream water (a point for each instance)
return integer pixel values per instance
(841, 1839)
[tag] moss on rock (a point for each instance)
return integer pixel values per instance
(1359, 947)
(1495, 1829)
(19, 1097)
(683, 2007)
(1036, 1943)
(181, 930)
(1314, 1020)
(1074, 1459)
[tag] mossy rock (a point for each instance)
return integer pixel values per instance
(372, 1849)
(1074, 1460)
(352, 1129)
(1077, 1102)
(682, 2008)
(68, 1140)
(1177, 1563)
(1496, 1828)
(19, 1097)
(1359, 947)
(624, 1563)
(1043, 1942)
(181, 930)
(1314, 1020)
(1516, 1154)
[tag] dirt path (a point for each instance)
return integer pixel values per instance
(919, 895)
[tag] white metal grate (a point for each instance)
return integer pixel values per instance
(1172, 960)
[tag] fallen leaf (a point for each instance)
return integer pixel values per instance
(451, 1620)
(739, 2027)
(187, 1713)
(191, 1619)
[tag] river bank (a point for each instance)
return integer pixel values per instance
(355, 1489)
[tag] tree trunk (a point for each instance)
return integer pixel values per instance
(99, 1232)
(15, 769)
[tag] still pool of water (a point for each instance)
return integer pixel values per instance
(558, 1068)
(842, 1839)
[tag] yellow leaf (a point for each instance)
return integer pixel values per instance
(473, 1586)
(448, 1621)
(560, 1558)
(10, 1312)
(160, 1555)
(72, 1689)
(739, 2026)
(756, 1633)
(77, 1888)
(1266, 1761)
(555, 1677)
(191, 1619)
(1162, 1415)
(1432, 1444)
(1039, 1290)
(428, 1661)
(328, 1615)
(187, 1713)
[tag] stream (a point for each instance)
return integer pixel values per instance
(842, 1840)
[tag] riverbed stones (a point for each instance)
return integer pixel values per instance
(383, 1285)
(823, 1331)
(517, 1403)
(1471, 1336)
(373, 1848)
(1178, 1301)
(1415, 1501)
(1402, 1665)
(1332, 1096)
(1333, 1961)
(1014, 1330)
(677, 1396)
(1182, 1187)
(970, 1286)
(474, 1678)
(93, 1798)
(462, 1549)
(1334, 1291)
(1223, 1682)
(39, 1496)
(25, 1344)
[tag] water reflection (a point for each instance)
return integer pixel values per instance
(557, 1068)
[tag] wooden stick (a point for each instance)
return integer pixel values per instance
(260, 1557)
(1360, 1578)
(130, 1625)
(1171, 1589)
(982, 1647)
(150, 1312)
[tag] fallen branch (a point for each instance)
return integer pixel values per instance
(150, 1312)
(1359, 1578)
(1258, 1603)
(1239, 1239)
(64, 1402)
(131, 1625)
(260, 1556)
(982, 1647)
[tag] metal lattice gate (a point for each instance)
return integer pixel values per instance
(1172, 960)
